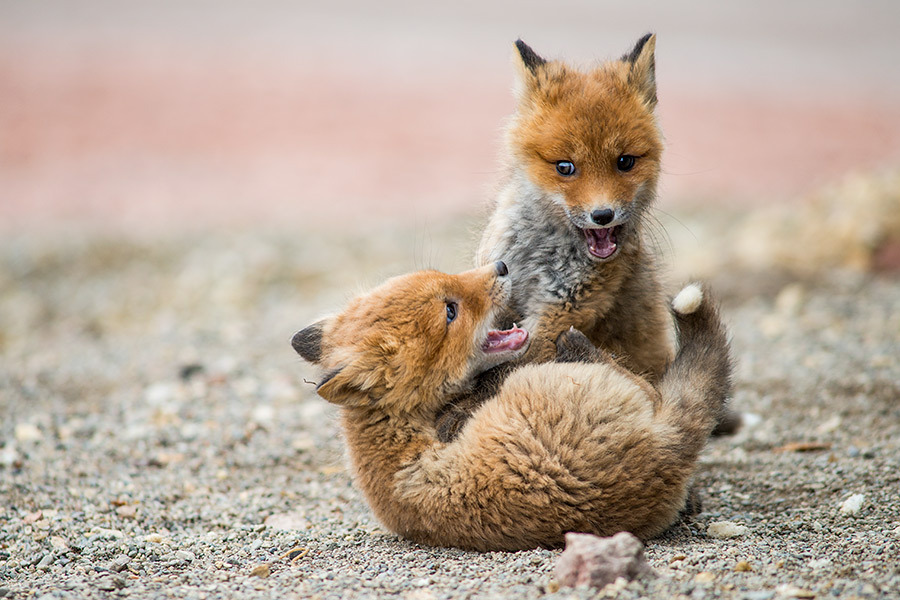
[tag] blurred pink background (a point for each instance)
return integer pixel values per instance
(183, 115)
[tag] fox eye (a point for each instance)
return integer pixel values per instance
(566, 168)
(625, 162)
(452, 309)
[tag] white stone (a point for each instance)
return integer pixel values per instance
(750, 420)
(291, 521)
(263, 413)
(8, 456)
(159, 394)
(725, 529)
(829, 426)
(26, 432)
(853, 504)
(185, 555)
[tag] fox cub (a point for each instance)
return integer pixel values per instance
(583, 152)
(583, 162)
(580, 444)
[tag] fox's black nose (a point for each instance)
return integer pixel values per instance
(602, 216)
(502, 271)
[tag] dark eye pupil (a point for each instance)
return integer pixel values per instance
(625, 162)
(565, 168)
(451, 311)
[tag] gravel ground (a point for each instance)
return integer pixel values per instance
(158, 438)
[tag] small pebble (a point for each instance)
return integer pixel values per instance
(758, 595)
(26, 432)
(185, 555)
(110, 584)
(829, 426)
(33, 517)
(120, 563)
(45, 561)
(704, 577)
(292, 521)
(853, 504)
(262, 571)
(743, 566)
(9, 458)
(722, 530)
(790, 591)
(58, 543)
(127, 511)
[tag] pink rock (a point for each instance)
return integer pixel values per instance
(596, 561)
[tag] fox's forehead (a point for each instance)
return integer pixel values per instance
(590, 112)
(409, 305)
(401, 298)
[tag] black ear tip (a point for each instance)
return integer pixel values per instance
(638, 47)
(308, 342)
(529, 57)
(643, 40)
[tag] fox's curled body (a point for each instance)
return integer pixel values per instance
(579, 444)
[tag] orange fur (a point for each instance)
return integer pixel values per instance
(567, 446)
(543, 220)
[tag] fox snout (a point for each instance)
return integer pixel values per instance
(494, 277)
(602, 216)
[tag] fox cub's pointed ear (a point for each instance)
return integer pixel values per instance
(642, 75)
(527, 63)
(333, 386)
(308, 342)
(346, 385)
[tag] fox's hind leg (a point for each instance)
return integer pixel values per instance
(689, 324)
(572, 346)
(697, 384)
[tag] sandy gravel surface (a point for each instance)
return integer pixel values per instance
(158, 438)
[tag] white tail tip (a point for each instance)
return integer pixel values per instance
(688, 299)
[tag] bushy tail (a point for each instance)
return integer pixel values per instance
(697, 383)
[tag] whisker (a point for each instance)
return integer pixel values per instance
(679, 221)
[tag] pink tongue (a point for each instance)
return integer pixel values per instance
(601, 242)
(499, 341)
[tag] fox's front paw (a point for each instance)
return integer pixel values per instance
(574, 346)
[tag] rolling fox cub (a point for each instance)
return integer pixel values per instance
(580, 444)
(583, 162)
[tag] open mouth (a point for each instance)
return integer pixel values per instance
(602, 243)
(508, 340)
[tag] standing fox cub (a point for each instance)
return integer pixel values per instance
(584, 153)
(580, 444)
(583, 162)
